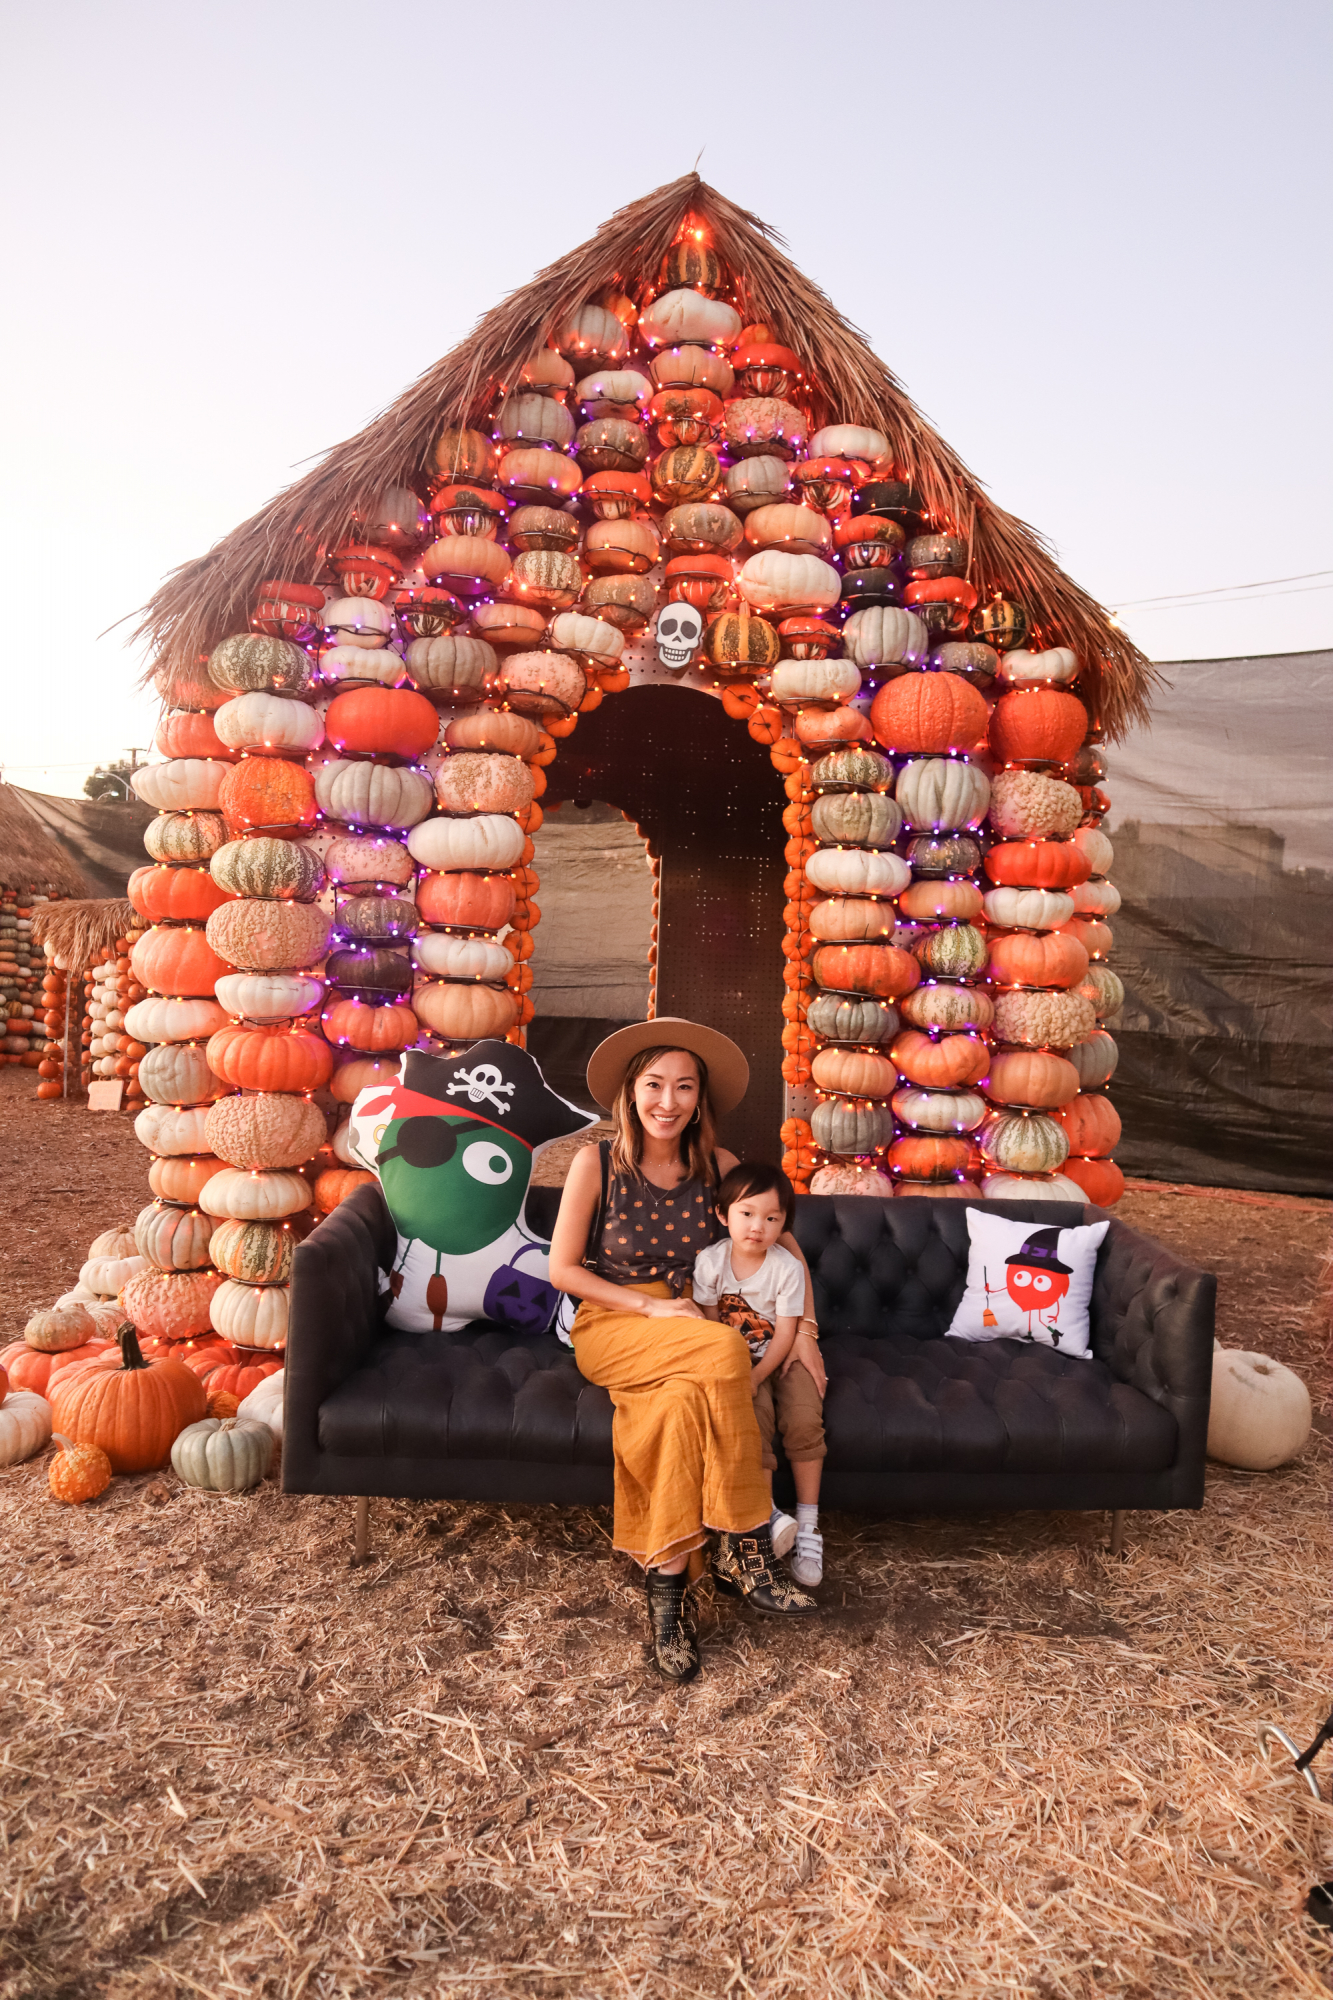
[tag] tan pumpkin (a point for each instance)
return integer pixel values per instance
(454, 668)
(465, 1013)
(854, 1072)
(350, 1078)
(785, 525)
(499, 729)
(182, 1180)
(935, 902)
(233, 1195)
(59, 1328)
(269, 935)
(1032, 1077)
(848, 919)
(356, 859)
(474, 782)
(543, 684)
(266, 1130)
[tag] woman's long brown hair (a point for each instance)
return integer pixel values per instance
(698, 1139)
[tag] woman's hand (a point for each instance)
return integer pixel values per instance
(670, 1309)
(805, 1349)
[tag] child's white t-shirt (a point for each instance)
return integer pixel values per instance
(777, 1289)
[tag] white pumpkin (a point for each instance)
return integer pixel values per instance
(461, 958)
(25, 1425)
(165, 1128)
(1022, 667)
(1094, 843)
(1260, 1414)
(378, 665)
(106, 1275)
(159, 1020)
(756, 482)
(268, 722)
(776, 581)
(368, 857)
(530, 418)
(1028, 909)
(181, 784)
(238, 1196)
(599, 642)
(263, 1405)
(1098, 898)
(341, 1143)
(851, 441)
(372, 794)
(625, 386)
(942, 794)
(491, 840)
(592, 330)
(692, 367)
(1031, 1187)
(883, 635)
(250, 1315)
(858, 871)
(847, 1179)
(796, 682)
(357, 621)
(786, 525)
(453, 666)
(113, 1243)
(265, 997)
(687, 316)
(939, 1110)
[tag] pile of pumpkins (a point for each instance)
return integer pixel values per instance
(22, 1028)
(109, 1049)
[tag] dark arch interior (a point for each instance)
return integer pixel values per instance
(707, 801)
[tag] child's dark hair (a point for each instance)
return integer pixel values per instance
(750, 1177)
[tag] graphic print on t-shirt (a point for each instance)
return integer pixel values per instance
(733, 1310)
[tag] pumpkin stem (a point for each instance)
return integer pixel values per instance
(131, 1354)
(63, 1443)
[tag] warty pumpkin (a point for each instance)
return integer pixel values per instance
(460, 1012)
(164, 894)
(945, 1063)
(1037, 864)
(374, 1029)
(266, 792)
(275, 1057)
(78, 1472)
(1033, 804)
(251, 1315)
(267, 1130)
(1037, 958)
(1024, 1142)
(358, 859)
(478, 782)
(169, 1305)
(1031, 1077)
(1043, 1018)
(1037, 725)
(132, 1409)
(185, 836)
(173, 1239)
(248, 663)
(942, 794)
(880, 970)
(262, 866)
(930, 713)
(543, 684)
(232, 1195)
(262, 934)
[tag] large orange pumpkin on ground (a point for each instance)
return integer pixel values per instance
(1037, 725)
(929, 712)
(395, 722)
(272, 1058)
(1100, 1180)
(267, 791)
(1037, 864)
(132, 1408)
(1037, 958)
(174, 895)
(941, 1064)
(466, 901)
(169, 1305)
(1092, 1124)
(179, 962)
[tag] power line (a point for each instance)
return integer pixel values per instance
(1228, 590)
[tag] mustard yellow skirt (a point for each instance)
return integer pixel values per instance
(688, 1452)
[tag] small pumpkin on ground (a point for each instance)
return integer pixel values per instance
(78, 1472)
(132, 1408)
(223, 1455)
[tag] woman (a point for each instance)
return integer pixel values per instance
(633, 1217)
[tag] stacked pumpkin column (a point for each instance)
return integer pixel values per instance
(61, 1022)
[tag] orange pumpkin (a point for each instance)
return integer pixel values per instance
(495, 729)
(373, 1029)
(1100, 1180)
(462, 900)
(954, 902)
(464, 1013)
(182, 1177)
(233, 1370)
(929, 712)
(396, 722)
(852, 1072)
(183, 733)
(1032, 1077)
(271, 1058)
(169, 1305)
(78, 1471)
(1037, 725)
(33, 1368)
(942, 1064)
(170, 895)
(881, 969)
(1037, 864)
(1092, 1124)
(267, 791)
(337, 1184)
(132, 1408)
(1037, 958)
(927, 1156)
(179, 962)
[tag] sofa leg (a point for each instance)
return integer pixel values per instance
(1118, 1517)
(361, 1532)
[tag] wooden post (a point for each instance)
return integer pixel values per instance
(361, 1533)
(1118, 1517)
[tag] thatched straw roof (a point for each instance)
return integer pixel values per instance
(29, 857)
(206, 599)
(83, 934)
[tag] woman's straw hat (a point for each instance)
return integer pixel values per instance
(728, 1071)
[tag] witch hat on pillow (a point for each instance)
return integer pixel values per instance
(500, 1084)
(1041, 1252)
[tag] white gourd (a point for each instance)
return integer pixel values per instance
(1028, 909)
(490, 840)
(1022, 668)
(776, 581)
(267, 722)
(181, 784)
(461, 958)
(265, 997)
(794, 682)
(884, 635)
(858, 871)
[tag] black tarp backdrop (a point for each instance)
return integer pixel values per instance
(104, 842)
(1223, 829)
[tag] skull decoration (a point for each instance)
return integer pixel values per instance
(680, 627)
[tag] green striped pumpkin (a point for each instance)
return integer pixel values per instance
(1025, 1142)
(856, 819)
(852, 771)
(254, 1253)
(248, 663)
(837, 1019)
(281, 870)
(958, 951)
(849, 1125)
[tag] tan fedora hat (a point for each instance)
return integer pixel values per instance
(728, 1071)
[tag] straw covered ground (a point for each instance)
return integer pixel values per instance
(1000, 1765)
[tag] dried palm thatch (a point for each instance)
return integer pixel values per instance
(83, 934)
(206, 599)
(29, 857)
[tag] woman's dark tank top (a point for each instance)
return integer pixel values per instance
(650, 1232)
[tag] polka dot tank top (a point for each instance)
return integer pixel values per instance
(651, 1232)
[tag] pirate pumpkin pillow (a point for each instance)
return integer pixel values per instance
(1028, 1281)
(452, 1146)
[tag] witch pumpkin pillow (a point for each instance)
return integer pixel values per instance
(452, 1146)
(1028, 1281)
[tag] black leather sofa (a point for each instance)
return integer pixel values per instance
(915, 1422)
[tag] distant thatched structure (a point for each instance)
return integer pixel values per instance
(30, 859)
(206, 599)
(83, 934)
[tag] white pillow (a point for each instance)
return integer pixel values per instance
(1028, 1281)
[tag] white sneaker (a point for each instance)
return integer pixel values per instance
(782, 1529)
(807, 1565)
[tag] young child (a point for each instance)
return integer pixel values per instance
(747, 1280)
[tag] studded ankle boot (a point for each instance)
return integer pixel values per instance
(743, 1567)
(675, 1653)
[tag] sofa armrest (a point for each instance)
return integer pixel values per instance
(335, 1319)
(1152, 1324)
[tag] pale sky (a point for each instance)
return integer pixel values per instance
(1090, 240)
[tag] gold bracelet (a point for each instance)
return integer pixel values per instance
(806, 1323)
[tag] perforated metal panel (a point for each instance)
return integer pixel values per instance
(706, 799)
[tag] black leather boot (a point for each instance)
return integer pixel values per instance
(743, 1567)
(675, 1653)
